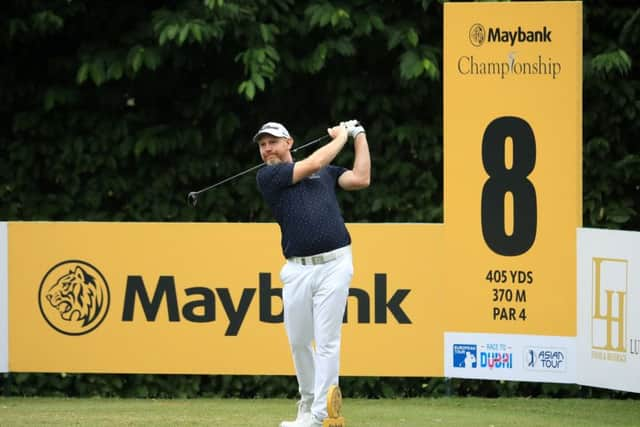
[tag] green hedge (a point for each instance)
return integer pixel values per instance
(192, 386)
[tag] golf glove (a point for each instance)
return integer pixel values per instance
(353, 128)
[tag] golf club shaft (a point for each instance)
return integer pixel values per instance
(315, 141)
(229, 179)
(197, 193)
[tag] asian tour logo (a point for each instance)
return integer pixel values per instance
(74, 297)
(545, 359)
(608, 320)
(486, 356)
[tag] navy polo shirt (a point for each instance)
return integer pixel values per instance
(307, 212)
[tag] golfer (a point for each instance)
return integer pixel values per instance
(317, 247)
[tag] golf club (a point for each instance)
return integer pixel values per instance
(192, 197)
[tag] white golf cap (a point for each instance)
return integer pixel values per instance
(272, 128)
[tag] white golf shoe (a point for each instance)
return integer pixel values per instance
(306, 420)
(303, 419)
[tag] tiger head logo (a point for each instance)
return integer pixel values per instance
(477, 35)
(74, 297)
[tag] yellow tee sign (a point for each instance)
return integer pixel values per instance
(512, 150)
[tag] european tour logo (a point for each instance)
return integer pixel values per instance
(608, 320)
(74, 297)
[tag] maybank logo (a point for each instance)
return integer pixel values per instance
(608, 320)
(74, 297)
(146, 301)
(478, 36)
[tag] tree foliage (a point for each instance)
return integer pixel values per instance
(116, 111)
(611, 118)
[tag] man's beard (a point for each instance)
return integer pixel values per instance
(274, 160)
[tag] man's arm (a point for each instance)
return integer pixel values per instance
(322, 156)
(360, 176)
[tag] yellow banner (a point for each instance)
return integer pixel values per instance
(512, 129)
(206, 298)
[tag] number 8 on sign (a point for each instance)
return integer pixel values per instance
(513, 180)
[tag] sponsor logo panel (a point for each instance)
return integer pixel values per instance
(510, 357)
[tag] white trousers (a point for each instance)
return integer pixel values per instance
(314, 298)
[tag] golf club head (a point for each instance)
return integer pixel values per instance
(192, 198)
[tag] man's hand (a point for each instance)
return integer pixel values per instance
(360, 175)
(353, 128)
(338, 131)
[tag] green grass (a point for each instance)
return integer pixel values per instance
(358, 412)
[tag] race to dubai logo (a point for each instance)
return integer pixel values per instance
(74, 297)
